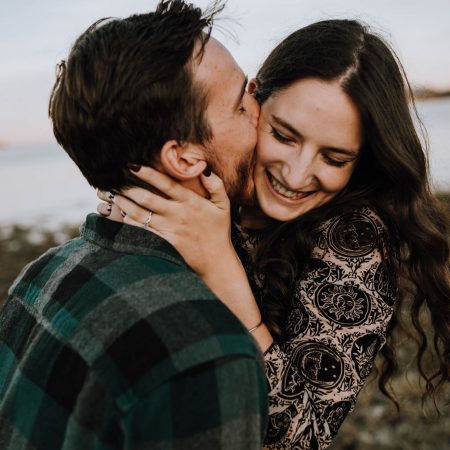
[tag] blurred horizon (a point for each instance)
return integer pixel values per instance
(48, 188)
(35, 36)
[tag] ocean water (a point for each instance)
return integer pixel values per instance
(41, 186)
(435, 115)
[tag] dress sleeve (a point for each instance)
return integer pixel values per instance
(342, 308)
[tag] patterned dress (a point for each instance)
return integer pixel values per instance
(341, 310)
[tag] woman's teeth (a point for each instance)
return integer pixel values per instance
(278, 187)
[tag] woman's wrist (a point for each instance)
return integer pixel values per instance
(228, 280)
(263, 337)
(253, 329)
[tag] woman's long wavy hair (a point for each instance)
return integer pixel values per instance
(391, 175)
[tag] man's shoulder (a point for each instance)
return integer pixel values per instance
(135, 320)
(160, 343)
(43, 266)
(81, 265)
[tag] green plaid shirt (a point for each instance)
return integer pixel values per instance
(110, 341)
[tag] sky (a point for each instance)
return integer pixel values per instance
(36, 34)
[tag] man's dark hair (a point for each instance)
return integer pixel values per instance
(127, 88)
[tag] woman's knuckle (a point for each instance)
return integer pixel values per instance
(147, 198)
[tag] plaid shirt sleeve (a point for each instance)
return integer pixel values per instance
(104, 346)
(202, 408)
(61, 403)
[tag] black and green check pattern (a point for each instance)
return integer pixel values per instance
(110, 341)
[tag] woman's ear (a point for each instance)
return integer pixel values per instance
(182, 161)
(253, 85)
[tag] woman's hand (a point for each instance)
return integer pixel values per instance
(107, 208)
(198, 228)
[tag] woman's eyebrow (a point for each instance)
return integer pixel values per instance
(298, 135)
(286, 125)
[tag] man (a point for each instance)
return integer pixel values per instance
(110, 341)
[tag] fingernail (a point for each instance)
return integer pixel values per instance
(207, 171)
(134, 167)
(109, 207)
(123, 213)
(111, 195)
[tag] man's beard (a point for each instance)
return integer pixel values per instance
(239, 184)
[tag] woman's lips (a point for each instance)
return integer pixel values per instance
(292, 197)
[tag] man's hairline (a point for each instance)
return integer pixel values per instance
(192, 65)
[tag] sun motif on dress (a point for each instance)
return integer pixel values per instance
(344, 304)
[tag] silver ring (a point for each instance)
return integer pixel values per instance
(148, 220)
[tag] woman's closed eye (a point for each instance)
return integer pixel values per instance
(335, 162)
(280, 137)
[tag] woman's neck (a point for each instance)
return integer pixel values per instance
(253, 217)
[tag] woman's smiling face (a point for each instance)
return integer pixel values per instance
(309, 139)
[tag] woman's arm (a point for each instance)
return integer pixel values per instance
(343, 306)
(200, 230)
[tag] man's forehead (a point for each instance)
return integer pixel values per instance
(214, 62)
(211, 48)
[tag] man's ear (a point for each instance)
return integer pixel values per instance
(182, 161)
(253, 86)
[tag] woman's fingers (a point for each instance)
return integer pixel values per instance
(214, 185)
(104, 209)
(130, 221)
(146, 199)
(110, 210)
(151, 226)
(141, 216)
(105, 196)
(162, 182)
(132, 210)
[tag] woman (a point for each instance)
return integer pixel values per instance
(346, 237)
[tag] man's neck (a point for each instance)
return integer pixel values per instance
(196, 186)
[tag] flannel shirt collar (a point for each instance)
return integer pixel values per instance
(124, 238)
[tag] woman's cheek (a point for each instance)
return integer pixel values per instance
(335, 179)
(270, 150)
(261, 148)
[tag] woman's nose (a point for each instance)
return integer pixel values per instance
(301, 171)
